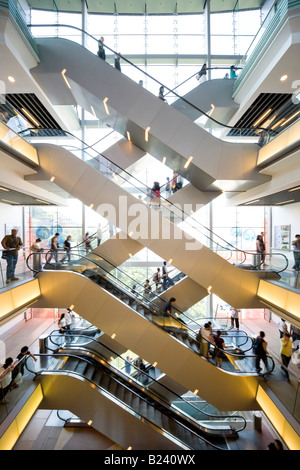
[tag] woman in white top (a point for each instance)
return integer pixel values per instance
(6, 376)
(36, 250)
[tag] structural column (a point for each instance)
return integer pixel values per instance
(207, 36)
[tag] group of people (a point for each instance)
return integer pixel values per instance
(65, 324)
(201, 75)
(171, 186)
(102, 54)
(12, 372)
(205, 338)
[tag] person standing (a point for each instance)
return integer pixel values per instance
(101, 51)
(296, 253)
(260, 349)
(18, 372)
(12, 243)
(54, 248)
(87, 242)
(220, 345)
(36, 254)
(205, 338)
(165, 279)
(6, 377)
(201, 75)
(99, 235)
(161, 93)
(235, 318)
(286, 352)
(147, 290)
(117, 62)
(232, 72)
(69, 321)
(157, 279)
(260, 248)
(282, 327)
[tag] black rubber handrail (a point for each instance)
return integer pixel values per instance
(144, 73)
(152, 379)
(155, 309)
(122, 384)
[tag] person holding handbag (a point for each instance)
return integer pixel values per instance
(11, 244)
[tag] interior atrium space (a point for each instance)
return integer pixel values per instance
(149, 227)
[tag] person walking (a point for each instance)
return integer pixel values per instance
(286, 352)
(11, 244)
(101, 51)
(204, 337)
(54, 248)
(296, 253)
(260, 350)
(67, 248)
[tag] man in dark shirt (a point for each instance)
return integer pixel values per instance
(12, 243)
(168, 307)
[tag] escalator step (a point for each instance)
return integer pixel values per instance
(135, 402)
(119, 393)
(71, 363)
(127, 397)
(105, 379)
(97, 375)
(81, 367)
(112, 386)
(90, 370)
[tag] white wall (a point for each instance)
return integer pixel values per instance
(287, 215)
(10, 216)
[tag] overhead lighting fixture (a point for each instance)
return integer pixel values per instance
(65, 78)
(10, 202)
(164, 160)
(251, 202)
(283, 78)
(187, 163)
(170, 261)
(52, 179)
(3, 189)
(196, 391)
(71, 307)
(128, 136)
(27, 113)
(262, 117)
(44, 202)
(11, 79)
(147, 133)
(155, 364)
(284, 202)
(113, 336)
(93, 111)
(105, 105)
(290, 190)
(209, 289)
(91, 205)
(290, 118)
(90, 422)
(277, 124)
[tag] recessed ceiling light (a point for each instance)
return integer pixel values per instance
(290, 190)
(105, 105)
(27, 113)
(284, 202)
(10, 202)
(262, 117)
(63, 72)
(3, 189)
(11, 79)
(188, 162)
(251, 202)
(283, 78)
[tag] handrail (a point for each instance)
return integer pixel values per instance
(144, 73)
(153, 308)
(98, 367)
(144, 373)
(210, 236)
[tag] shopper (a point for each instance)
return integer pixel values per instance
(6, 378)
(234, 316)
(157, 279)
(101, 51)
(201, 75)
(161, 93)
(168, 307)
(204, 337)
(18, 372)
(117, 62)
(36, 255)
(11, 244)
(54, 248)
(260, 350)
(260, 249)
(232, 72)
(286, 352)
(296, 253)
(165, 278)
(67, 248)
(147, 290)
(219, 347)
(282, 327)
(87, 242)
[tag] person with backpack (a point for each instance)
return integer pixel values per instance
(157, 279)
(260, 350)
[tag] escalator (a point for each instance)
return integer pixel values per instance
(187, 247)
(125, 106)
(138, 388)
(137, 323)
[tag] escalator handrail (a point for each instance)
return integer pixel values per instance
(57, 25)
(98, 367)
(156, 308)
(151, 378)
(229, 247)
